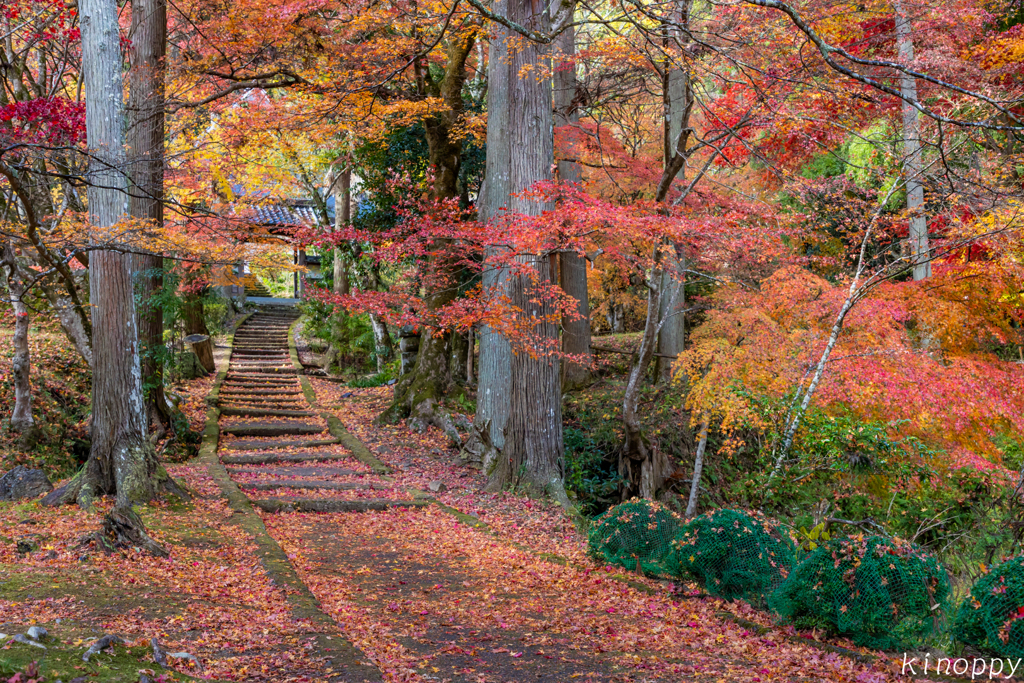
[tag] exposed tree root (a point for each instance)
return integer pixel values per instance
(123, 528)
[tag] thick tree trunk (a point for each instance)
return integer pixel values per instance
(494, 373)
(194, 315)
(146, 192)
(532, 456)
(913, 163)
(21, 364)
(573, 271)
(122, 460)
(672, 337)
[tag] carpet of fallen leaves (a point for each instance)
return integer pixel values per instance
(564, 607)
(427, 595)
(210, 598)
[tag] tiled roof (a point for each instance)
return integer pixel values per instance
(292, 214)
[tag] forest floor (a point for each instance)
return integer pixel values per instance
(319, 546)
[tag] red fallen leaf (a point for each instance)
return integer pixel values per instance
(516, 654)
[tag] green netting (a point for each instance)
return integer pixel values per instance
(636, 534)
(881, 593)
(733, 554)
(992, 617)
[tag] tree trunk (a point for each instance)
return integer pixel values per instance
(203, 348)
(698, 469)
(342, 218)
(383, 348)
(532, 456)
(573, 271)
(21, 364)
(494, 374)
(194, 315)
(913, 163)
(145, 202)
(71, 320)
(122, 460)
(672, 337)
(418, 394)
(677, 97)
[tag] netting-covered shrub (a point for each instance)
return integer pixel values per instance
(734, 554)
(991, 618)
(881, 593)
(636, 534)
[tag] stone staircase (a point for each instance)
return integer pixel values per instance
(274, 443)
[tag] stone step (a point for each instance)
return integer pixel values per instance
(231, 411)
(311, 484)
(272, 429)
(243, 445)
(332, 505)
(293, 471)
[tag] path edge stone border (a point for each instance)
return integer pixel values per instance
(350, 663)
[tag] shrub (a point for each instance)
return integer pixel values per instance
(733, 554)
(992, 617)
(636, 535)
(881, 593)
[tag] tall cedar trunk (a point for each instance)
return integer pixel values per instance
(122, 461)
(573, 270)
(913, 163)
(342, 217)
(532, 457)
(146, 174)
(642, 466)
(418, 394)
(676, 95)
(21, 364)
(494, 372)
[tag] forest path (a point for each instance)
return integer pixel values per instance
(457, 586)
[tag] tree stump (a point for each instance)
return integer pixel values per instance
(201, 346)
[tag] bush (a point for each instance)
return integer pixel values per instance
(881, 593)
(592, 468)
(992, 617)
(734, 555)
(636, 535)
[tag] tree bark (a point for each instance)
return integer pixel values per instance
(573, 271)
(146, 193)
(194, 315)
(698, 470)
(913, 163)
(21, 363)
(532, 458)
(122, 461)
(494, 374)
(71, 321)
(342, 218)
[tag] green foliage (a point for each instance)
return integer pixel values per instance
(636, 535)
(351, 335)
(734, 555)
(881, 593)
(810, 539)
(826, 165)
(376, 380)
(992, 617)
(591, 468)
